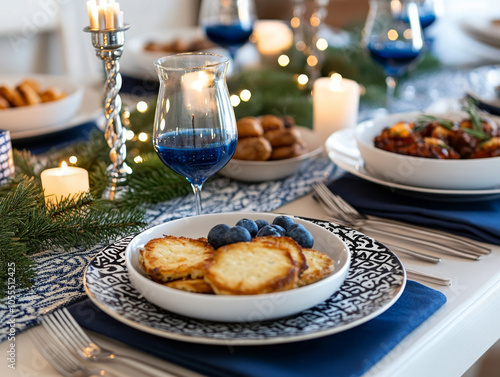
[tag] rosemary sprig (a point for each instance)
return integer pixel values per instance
(470, 107)
(479, 134)
(476, 132)
(424, 119)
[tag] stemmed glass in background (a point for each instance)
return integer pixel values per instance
(393, 37)
(195, 127)
(427, 15)
(228, 23)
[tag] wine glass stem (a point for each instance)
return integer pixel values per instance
(232, 54)
(391, 88)
(197, 196)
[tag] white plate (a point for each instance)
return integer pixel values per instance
(343, 151)
(230, 308)
(139, 62)
(44, 115)
(483, 84)
(375, 281)
(483, 29)
(91, 109)
(259, 171)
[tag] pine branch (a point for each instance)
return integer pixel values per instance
(152, 182)
(15, 266)
(28, 227)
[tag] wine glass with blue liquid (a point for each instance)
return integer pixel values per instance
(428, 16)
(195, 127)
(393, 37)
(228, 23)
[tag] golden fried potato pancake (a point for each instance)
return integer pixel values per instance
(250, 268)
(191, 285)
(293, 247)
(320, 266)
(171, 258)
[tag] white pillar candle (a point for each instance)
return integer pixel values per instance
(335, 104)
(104, 14)
(62, 182)
(102, 18)
(93, 14)
(110, 16)
(272, 37)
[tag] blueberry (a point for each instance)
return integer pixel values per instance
(249, 225)
(217, 235)
(280, 229)
(261, 223)
(237, 234)
(268, 230)
(302, 236)
(292, 227)
(284, 221)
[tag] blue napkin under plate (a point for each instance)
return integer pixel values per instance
(479, 220)
(58, 139)
(346, 354)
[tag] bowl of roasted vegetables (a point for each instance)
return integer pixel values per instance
(455, 151)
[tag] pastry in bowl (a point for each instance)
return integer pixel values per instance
(268, 138)
(26, 93)
(35, 102)
(271, 148)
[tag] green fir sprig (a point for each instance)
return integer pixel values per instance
(28, 226)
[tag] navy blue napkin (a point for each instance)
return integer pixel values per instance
(479, 220)
(59, 139)
(143, 86)
(346, 354)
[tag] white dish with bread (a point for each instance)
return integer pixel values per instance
(270, 148)
(33, 102)
(280, 297)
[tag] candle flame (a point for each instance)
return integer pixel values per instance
(63, 170)
(335, 81)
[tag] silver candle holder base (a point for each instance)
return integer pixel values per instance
(109, 47)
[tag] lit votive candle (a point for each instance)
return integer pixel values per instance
(335, 104)
(64, 181)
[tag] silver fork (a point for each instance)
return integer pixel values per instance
(62, 361)
(465, 243)
(439, 241)
(64, 327)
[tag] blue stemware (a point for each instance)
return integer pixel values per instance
(195, 128)
(393, 37)
(228, 23)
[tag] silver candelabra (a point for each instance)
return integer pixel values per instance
(109, 47)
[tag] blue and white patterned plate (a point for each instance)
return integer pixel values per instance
(375, 281)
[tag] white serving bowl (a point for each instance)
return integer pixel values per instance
(236, 308)
(466, 174)
(259, 171)
(43, 115)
